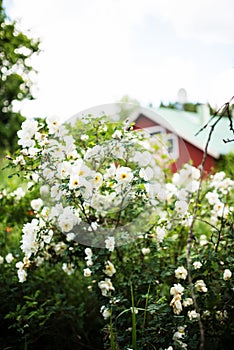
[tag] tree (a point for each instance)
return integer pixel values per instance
(15, 85)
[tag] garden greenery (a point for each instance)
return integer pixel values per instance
(151, 249)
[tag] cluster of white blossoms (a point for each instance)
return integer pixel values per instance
(17, 194)
(89, 188)
(29, 238)
(178, 302)
(220, 186)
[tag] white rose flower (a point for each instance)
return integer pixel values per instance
(18, 193)
(70, 236)
(110, 243)
(160, 231)
(105, 312)
(227, 274)
(197, 265)
(68, 268)
(212, 197)
(22, 274)
(9, 258)
(84, 137)
(181, 273)
(87, 272)
(124, 175)
(145, 251)
(88, 252)
(181, 207)
(36, 204)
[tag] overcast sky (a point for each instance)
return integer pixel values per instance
(95, 51)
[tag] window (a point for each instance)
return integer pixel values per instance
(173, 146)
(156, 130)
(167, 140)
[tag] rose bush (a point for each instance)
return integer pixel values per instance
(153, 248)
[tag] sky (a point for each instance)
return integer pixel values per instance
(96, 51)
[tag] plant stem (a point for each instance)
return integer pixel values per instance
(112, 337)
(146, 305)
(134, 345)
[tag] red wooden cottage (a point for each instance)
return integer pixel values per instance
(179, 128)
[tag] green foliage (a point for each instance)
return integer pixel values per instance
(226, 163)
(53, 310)
(15, 85)
(57, 310)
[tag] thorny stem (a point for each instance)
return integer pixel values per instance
(190, 239)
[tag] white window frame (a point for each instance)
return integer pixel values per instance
(156, 130)
(174, 153)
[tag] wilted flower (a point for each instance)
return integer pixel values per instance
(187, 302)
(206, 313)
(106, 286)
(109, 269)
(179, 334)
(201, 286)
(177, 289)
(176, 304)
(193, 315)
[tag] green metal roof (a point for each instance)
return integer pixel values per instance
(187, 124)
